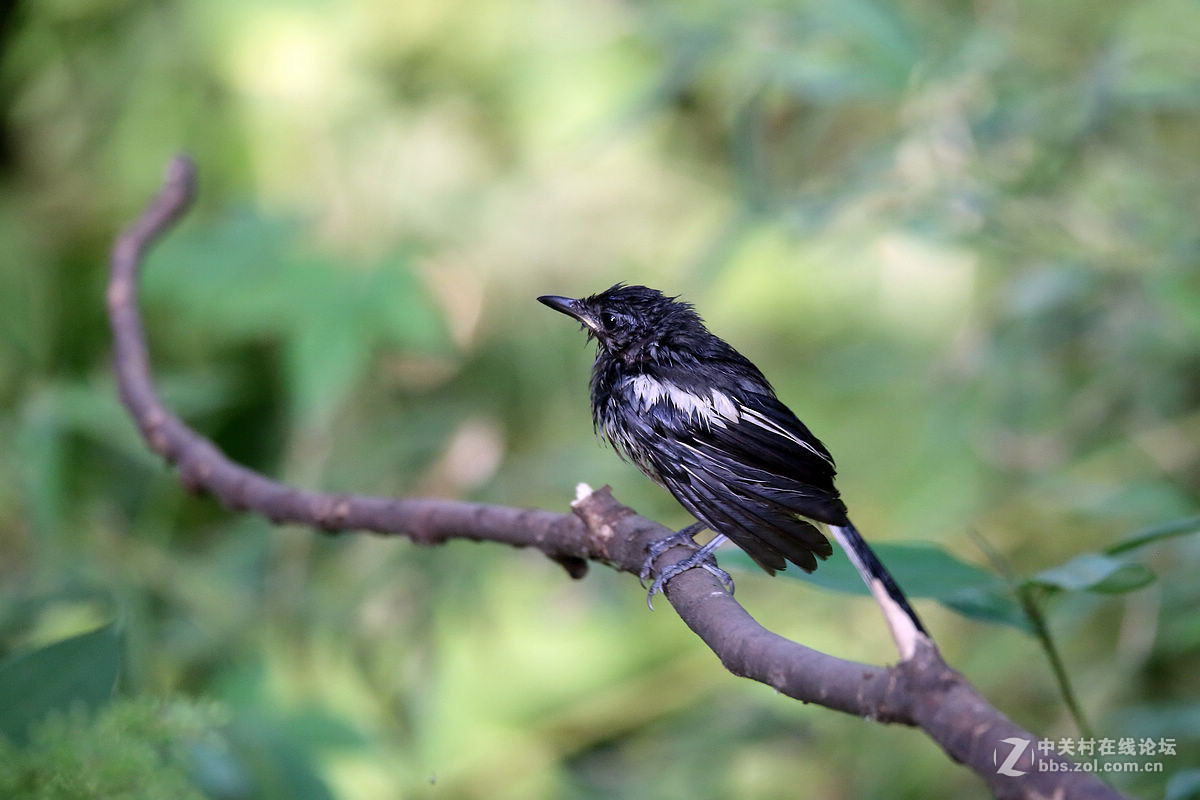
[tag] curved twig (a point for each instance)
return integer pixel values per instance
(922, 691)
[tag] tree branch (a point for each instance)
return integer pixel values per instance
(921, 691)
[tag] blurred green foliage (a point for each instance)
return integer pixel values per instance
(960, 238)
(117, 754)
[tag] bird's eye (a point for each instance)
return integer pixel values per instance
(609, 319)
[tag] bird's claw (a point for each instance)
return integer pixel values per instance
(702, 557)
(707, 564)
(659, 546)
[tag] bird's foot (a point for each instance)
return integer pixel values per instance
(683, 538)
(702, 558)
(706, 563)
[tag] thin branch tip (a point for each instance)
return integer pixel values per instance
(582, 492)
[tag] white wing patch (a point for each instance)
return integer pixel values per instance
(755, 418)
(714, 408)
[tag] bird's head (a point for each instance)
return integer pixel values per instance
(629, 320)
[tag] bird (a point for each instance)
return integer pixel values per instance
(700, 419)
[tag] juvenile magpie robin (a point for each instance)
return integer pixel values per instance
(698, 418)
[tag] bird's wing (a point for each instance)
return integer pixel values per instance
(745, 466)
(756, 439)
(766, 529)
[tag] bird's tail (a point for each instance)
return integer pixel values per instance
(878, 579)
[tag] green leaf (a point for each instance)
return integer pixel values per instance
(994, 605)
(1157, 533)
(922, 570)
(79, 671)
(1093, 572)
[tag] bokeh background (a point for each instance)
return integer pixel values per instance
(961, 238)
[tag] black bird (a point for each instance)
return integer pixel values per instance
(698, 418)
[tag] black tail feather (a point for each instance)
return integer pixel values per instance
(871, 568)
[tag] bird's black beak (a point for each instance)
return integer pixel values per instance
(570, 307)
